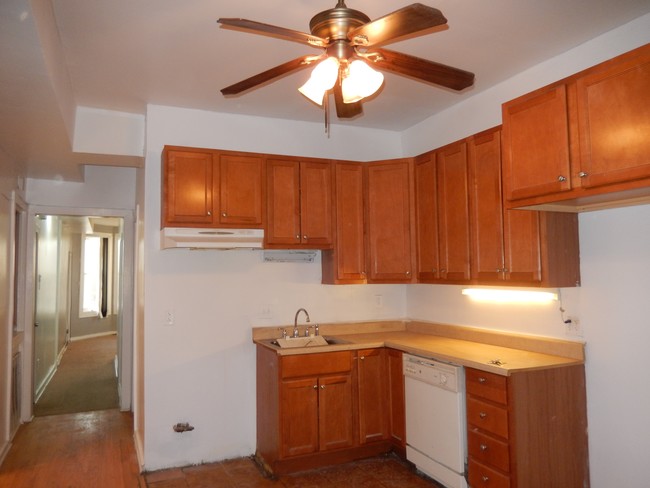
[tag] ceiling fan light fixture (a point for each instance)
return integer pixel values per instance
(361, 81)
(322, 79)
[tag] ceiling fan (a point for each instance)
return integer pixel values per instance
(345, 67)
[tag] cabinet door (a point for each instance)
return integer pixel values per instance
(389, 222)
(335, 419)
(486, 208)
(523, 246)
(453, 213)
(316, 203)
(346, 263)
(371, 376)
(396, 415)
(187, 187)
(241, 190)
(614, 121)
(426, 214)
(299, 416)
(536, 154)
(283, 206)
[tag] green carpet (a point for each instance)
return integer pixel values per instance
(85, 380)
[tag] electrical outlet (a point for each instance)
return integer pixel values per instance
(573, 327)
(379, 301)
(169, 319)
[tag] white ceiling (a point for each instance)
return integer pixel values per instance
(124, 54)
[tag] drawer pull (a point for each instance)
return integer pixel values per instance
(483, 447)
(482, 415)
(482, 380)
(485, 478)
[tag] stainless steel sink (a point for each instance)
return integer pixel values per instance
(305, 342)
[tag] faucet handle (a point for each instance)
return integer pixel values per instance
(307, 330)
(284, 332)
(316, 332)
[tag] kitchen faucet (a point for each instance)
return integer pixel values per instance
(295, 321)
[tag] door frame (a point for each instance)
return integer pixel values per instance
(125, 335)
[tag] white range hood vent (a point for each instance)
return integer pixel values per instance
(206, 238)
(289, 256)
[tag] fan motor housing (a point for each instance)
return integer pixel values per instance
(335, 23)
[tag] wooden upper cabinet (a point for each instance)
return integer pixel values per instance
(207, 188)
(453, 212)
(187, 187)
(283, 206)
(505, 243)
(346, 262)
(614, 121)
(536, 156)
(484, 152)
(442, 215)
(581, 142)
(299, 203)
(316, 203)
(426, 214)
(241, 189)
(388, 221)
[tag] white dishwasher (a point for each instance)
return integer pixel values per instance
(436, 439)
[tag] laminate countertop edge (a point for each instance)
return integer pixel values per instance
(470, 353)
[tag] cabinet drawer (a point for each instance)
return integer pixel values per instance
(481, 476)
(486, 385)
(316, 364)
(487, 417)
(489, 450)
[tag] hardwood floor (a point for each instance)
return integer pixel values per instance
(81, 450)
(95, 449)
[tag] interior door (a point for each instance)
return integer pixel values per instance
(45, 323)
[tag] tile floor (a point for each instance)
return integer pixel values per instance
(380, 472)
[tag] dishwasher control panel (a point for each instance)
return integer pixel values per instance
(442, 375)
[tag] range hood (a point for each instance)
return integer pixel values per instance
(205, 238)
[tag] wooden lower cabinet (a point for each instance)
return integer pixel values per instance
(372, 394)
(308, 409)
(527, 430)
(396, 397)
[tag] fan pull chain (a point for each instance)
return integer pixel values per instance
(326, 106)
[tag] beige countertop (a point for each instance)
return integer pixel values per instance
(460, 345)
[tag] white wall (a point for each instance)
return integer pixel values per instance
(103, 187)
(202, 369)
(483, 110)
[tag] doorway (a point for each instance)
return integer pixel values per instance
(70, 336)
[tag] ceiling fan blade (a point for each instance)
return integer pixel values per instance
(422, 69)
(345, 110)
(407, 20)
(268, 75)
(272, 30)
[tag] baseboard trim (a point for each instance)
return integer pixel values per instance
(92, 336)
(4, 452)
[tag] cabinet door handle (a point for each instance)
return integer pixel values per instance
(408, 273)
(304, 237)
(322, 387)
(482, 415)
(582, 174)
(483, 447)
(482, 379)
(297, 237)
(224, 214)
(561, 178)
(362, 358)
(485, 479)
(209, 213)
(315, 387)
